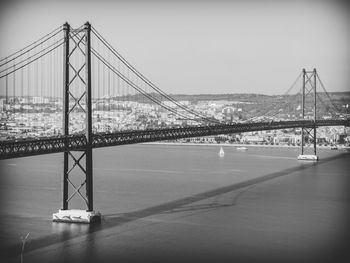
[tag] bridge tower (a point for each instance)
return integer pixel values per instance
(75, 89)
(308, 134)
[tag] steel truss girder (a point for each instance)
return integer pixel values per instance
(22, 148)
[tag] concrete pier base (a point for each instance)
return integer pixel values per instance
(307, 157)
(76, 216)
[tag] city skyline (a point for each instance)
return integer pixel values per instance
(196, 47)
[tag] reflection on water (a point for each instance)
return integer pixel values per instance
(66, 231)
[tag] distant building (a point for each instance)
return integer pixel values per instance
(40, 100)
(287, 139)
(252, 139)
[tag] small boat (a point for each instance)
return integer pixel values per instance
(221, 152)
(242, 148)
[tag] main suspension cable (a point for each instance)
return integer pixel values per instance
(334, 106)
(107, 64)
(147, 81)
(36, 43)
(15, 68)
(269, 112)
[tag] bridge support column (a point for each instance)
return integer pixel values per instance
(308, 134)
(74, 169)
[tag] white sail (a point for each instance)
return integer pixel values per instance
(221, 152)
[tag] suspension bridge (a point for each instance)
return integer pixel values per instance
(71, 91)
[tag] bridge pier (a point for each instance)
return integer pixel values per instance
(308, 90)
(65, 214)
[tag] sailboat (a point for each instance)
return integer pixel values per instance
(221, 152)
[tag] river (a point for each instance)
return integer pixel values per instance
(137, 186)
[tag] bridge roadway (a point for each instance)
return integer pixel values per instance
(30, 147)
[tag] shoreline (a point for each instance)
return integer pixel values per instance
(242, 145)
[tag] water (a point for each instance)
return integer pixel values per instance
(147, 181)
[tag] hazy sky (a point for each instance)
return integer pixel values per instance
(196, 47)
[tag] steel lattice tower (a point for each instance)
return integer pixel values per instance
(308, 97)
(75, 89)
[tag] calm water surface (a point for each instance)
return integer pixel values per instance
(134, 178)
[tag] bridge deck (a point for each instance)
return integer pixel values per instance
(22, 148)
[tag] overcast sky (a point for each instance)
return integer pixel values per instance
(194, 47)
